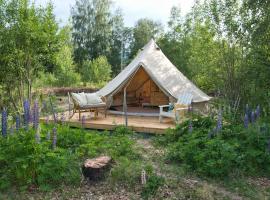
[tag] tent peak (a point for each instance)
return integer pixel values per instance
(151, 45)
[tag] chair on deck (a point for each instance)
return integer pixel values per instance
(178, 109)
(88, 102)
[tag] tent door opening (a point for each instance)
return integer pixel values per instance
(141, 93)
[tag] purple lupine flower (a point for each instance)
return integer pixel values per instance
(55, 117)
(4, 122)
(63, 118)
(252, 117)
(190, 127)
(219, 121)
(18, 123)
(48, 137)
(26, 107)
(258, 112)
(54, 138)
(246, 121)
(36, 115)
(83, 121)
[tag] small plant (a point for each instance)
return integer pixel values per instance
(152, 185)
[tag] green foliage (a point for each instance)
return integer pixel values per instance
(126, 172)
(232, 149)
(152, 185)
(97, 31)
(96, 71)
(26, 33)
(144, 30)
(24, 163)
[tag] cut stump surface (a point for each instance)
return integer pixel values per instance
(96, 168)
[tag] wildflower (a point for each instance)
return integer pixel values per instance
(143, 177)
(55, 117)
(219, 121)
(36, 115)
(258, 112)
(48, 137)
(252, 117)
(246, 121)
(63, 118)
(26, 107)
(4, 122)
(190, 127)
(18, 123)
(54, 138)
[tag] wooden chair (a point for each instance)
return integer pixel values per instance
(180, 108)
(77, 108)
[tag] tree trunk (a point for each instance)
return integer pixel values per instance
(96, 169)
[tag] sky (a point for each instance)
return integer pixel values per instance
(158, 10)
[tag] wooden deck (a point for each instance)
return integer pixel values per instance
(136, 123)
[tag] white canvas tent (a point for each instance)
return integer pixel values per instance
(160, 70)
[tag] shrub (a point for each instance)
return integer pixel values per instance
(234, 148)
(25, 163)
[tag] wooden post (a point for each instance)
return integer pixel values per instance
(125, 106)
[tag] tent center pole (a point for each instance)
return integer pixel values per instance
(125, 106)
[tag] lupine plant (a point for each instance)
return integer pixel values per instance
(36, 115)
(4, 122)
(63, 118)
(258, 112)
(219, 121)
(252, 117)
(54, 138)
(246, 121)
(26, 108)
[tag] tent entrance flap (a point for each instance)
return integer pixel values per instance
(141, 90)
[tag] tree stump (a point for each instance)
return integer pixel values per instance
(97, 168)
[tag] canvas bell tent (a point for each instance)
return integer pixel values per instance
(151, 79)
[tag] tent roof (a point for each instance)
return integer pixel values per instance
(170, 80)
